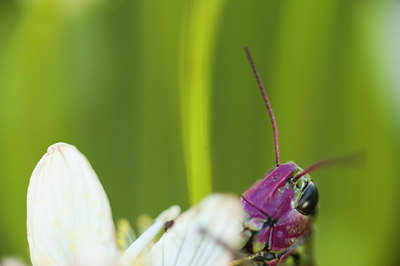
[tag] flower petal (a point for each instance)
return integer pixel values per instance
(207, 234)
(69, 217)
(12, 261)
(145, 240)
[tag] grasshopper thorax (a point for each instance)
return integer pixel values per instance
(280, 211)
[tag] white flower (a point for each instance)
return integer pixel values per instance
(69, 222)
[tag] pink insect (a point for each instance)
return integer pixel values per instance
(280, 208)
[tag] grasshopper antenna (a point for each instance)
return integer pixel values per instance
(267, 103)
(317, 165)
(351, 158)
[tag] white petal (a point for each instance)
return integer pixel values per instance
(207, 234)
(145, 239)
(69, 217)
(12, 261)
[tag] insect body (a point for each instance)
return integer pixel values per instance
(280, 212)
(279, 209)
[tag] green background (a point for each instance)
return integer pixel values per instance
(156, 93)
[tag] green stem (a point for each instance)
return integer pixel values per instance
(198, 36)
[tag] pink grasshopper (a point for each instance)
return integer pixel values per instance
(280, 208)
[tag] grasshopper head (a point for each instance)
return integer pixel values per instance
(280, 210)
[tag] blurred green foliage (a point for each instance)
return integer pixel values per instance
(156, 92)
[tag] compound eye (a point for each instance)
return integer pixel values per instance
(308, 200)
